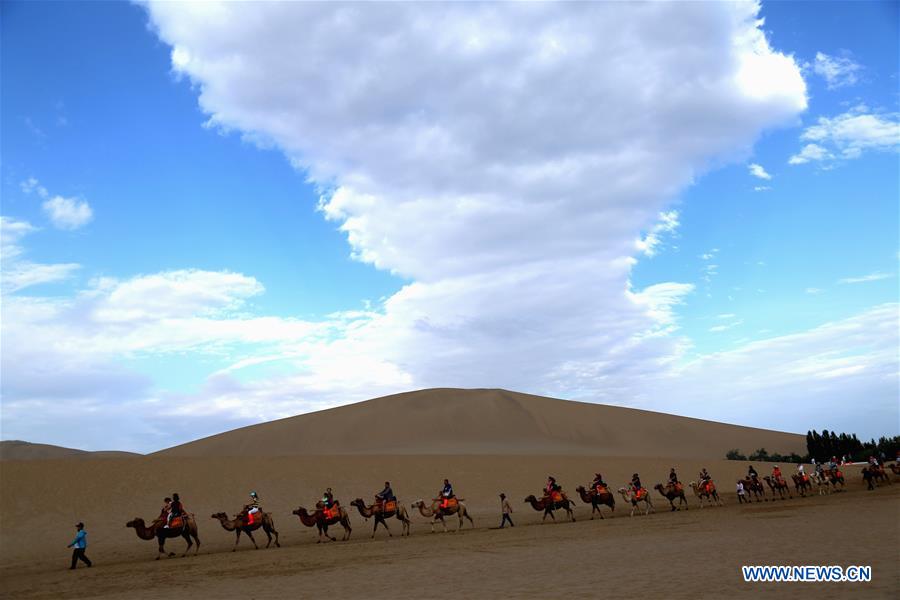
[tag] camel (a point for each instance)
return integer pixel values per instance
(161, 533)
(801, 484)
(879, 475)
(595, 499)
(548, 506)
(822, 483)
(629, 497)
(756, 488)
(780, 486)
(895, 469)
(382, 516)
(318, 518)
(436, 512)
(671, 492)
(709, 492)
(237, 525)
(835, 477)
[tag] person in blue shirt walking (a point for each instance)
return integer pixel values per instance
(80, 545)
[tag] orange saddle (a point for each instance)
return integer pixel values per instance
(176, 523)
(449, 503)
(252, 519)
(601, 489)
(710, 487)
(389, 506)
(556, 496)
(331, 513)
(639, 495)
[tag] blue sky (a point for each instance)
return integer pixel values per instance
(208, 224)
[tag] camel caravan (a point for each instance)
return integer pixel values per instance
(176, 522)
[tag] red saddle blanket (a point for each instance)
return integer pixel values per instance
(332, 513)
(556, 496)
(390, 506)
(252, 519)
(176, 523)
(601, 489)
(449, 503)
(639, 495)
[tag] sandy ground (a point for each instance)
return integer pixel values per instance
(695, 553)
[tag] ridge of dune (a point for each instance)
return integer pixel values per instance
(483, 422)
(21, 450)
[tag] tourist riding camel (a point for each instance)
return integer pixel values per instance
(437, 511)
(328, 512)
(247, 522)
(556, 500)
(670, 493)
(383, 509)
(165, 527)
(597, 496)
(706, 489)
(629, 496)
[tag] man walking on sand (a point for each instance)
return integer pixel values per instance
(507, 510)
(80, 545)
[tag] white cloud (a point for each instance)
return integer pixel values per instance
(809, 153)
(837, 71)
(762, 188)
(67, 213)
(811, 379)
(32, 185)
(848, 135)
(865, 278)
(503, 158)
(17, 272)
(814, 291)
(727, 326)
(758, 171)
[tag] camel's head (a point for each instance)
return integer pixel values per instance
(417, 503)
(219, 515)
(135, 522)
(580, 489)
(299, 511)
(358, 502)
(623, 491)
(531, 498)
(658, 486)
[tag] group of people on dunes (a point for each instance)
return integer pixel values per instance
(175, 521)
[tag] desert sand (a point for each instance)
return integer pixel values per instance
(686, 554)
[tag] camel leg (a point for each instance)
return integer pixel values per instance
(250, 535)
(237, 538)
(187, 537)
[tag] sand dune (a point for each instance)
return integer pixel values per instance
(19, 450)
(487, 422)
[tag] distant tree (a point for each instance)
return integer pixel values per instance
(760, 454)
(735, 454)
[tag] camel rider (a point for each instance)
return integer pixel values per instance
(167, 506)
(551, 487)
(328, 499)
(820, 470)
(673, 479)
(752, 474)
(446, 493)
(776, 473)
(705, 478)
(598, 482)
(386, 495)
(253, 507)
(636, 486)
(176, 508)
